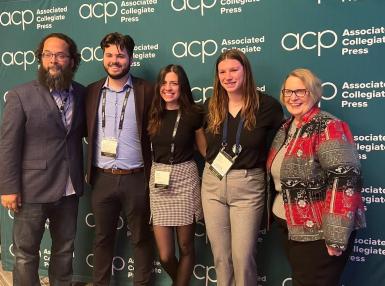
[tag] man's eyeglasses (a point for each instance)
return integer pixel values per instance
(298, 92)
(58, 56)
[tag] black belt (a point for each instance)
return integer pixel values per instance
(120, 171)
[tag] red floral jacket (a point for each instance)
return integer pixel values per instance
(320, 179)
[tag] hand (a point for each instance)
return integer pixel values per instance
(332, 251)
(11, 202)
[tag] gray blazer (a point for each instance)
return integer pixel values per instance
(36, 151)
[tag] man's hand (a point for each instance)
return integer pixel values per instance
(332, 251)
(11, 202)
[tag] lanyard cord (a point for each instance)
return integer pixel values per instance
(237, 138)
(172, 149)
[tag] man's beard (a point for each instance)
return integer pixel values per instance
(59, 82)
(119, 75)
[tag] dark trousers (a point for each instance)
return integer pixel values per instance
(112, 194)
(310, 262)
(28, 230)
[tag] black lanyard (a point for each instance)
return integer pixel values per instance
(237, 137)
(122, 114)
(172, 149)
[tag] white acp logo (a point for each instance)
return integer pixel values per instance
(206, 273)
(90, 54)
(309, 41)
(19, 58)
(286, 281)
(203, 93)
(90, 221)
(200, 231)
(330, 90)
(17, 18)
(185, 5)
(98, 10)
(5, 99)
(201, 49)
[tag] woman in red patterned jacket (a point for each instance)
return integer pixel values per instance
(317, 178)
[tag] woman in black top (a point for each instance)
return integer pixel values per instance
(239, 121)
(175, 124)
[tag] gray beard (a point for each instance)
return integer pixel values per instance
(56, 83)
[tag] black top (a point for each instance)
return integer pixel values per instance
(184, 139)
(255, 142)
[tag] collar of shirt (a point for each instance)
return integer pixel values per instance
(125, 87)
(55, 92)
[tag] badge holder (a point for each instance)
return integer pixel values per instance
(162, 175)
(223, 161)
(162, 172)
(109, 147)
(222, 164)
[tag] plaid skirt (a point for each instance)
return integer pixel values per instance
(180, 203)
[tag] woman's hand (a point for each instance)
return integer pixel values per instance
(332, 251)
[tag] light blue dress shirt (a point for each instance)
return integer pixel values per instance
(129, 150)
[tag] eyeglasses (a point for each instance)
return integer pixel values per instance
(59, 56)
(298, 92)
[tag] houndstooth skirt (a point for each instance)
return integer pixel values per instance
(180, 203)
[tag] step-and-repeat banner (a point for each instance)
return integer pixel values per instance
(343, 41)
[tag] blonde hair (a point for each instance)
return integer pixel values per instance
(309, 79)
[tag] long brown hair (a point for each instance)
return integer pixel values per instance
(158, 107)
(219, 102)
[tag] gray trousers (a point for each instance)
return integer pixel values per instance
(233, 210)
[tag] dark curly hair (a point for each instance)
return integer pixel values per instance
(73, 49)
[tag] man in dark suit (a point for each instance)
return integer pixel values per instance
(119, 159)
(41, 159)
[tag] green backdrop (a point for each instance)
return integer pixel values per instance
(343, 41)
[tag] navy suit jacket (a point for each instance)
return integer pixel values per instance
(37, 152)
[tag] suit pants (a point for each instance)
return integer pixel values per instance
(310, 262)
(112, 194)
(233, 210)
(28, 230)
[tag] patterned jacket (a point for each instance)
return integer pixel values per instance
(320, 179)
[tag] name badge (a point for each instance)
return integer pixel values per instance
(221, 164)
(162, 179)
(109, 147)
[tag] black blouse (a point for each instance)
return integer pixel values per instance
(255, 142)
(184, 138)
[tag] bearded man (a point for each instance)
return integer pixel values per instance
(41, 161)
(119, 159)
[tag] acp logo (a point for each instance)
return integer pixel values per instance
(185, 5)
(17, 18)
(5, 99)
(18, 58)
(330, 90)
(90, 221)
(309, 41)
(98, 10)
(90, 54)
(206, 273)
(200, 231)
(203, 93)
(195, 49)
(286, 282)
(118, 263)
